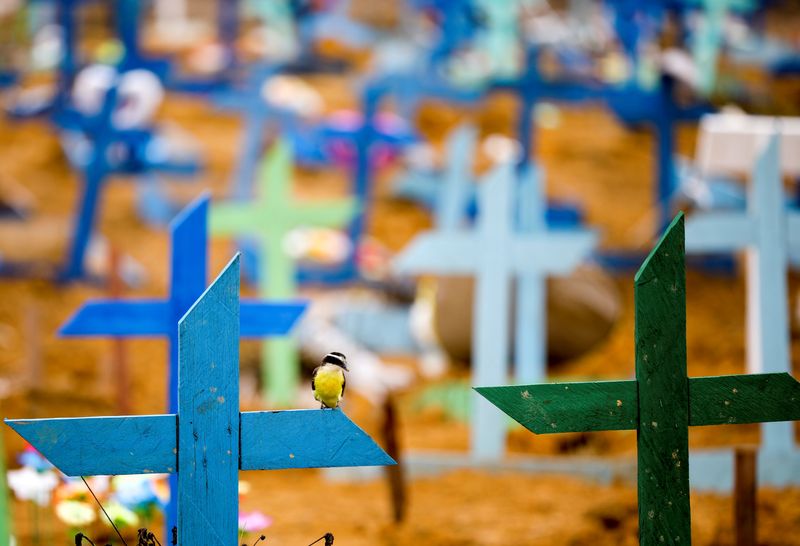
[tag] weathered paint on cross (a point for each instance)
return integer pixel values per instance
(160, 317)
(661, 403)
(201, 443)
(494, 254)
(270, 218)
(767, 230)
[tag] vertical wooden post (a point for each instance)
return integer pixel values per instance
(744, 497)
(767, 292)
(396, 473)
(119, 358)
(208, 406)
(663, 433)
(492, 300)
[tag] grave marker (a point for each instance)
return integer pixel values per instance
(104, 159)
(208, 440)
(270, 217)
(495, 255)
(661, 403)
(766, 230)
(160, 317)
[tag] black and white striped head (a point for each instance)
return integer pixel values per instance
(337, 359)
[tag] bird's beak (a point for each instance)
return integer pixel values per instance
(346, 368)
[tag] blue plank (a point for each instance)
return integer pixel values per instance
(208, 404)
(306, 439)
(104, 445)
(145, 318)
(261, 319)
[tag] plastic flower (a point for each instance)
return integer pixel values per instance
(75, 513)
(253, 522)
(31, 485)
(33, 459)
(136, 490)
(120, 515)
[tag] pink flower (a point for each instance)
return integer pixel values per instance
(253, 522)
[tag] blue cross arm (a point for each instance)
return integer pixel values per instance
(552, 252)
(719, 232)
(119, 317)
(306, 439)
(436, 252)
(259, 318)
(614, 405)
(84, 446)
(148, 444)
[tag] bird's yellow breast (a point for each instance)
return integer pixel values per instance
(328, 385)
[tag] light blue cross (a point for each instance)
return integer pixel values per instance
(209, 440)
(767, 229)
(496, 254)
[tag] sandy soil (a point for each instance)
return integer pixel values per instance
(589, 158)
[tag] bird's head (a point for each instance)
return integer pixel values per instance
(337, 359)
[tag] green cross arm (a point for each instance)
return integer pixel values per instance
(613, 405)
(234, 218)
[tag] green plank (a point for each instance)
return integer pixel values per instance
(613, 405)
(735, 399)
(663, 435)
(568, 407)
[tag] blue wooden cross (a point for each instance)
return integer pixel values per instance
(766, 230)
(495, 255)
(530, 88)
(107, 141)
(208, 440)
(159, 317)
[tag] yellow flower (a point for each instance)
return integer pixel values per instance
(75, 513)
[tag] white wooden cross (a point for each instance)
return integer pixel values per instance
(495, 253)
(766, 230)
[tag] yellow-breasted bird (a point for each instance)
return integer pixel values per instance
(328, 381)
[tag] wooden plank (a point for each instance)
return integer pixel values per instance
(260, 319)
(446, 253)
(456, 188)
(530, 337)
(613, 405)
(188, 257)
(491, 353)
(145, 318)
(718, 231)
(663, 433)
(558, 252)
(84, 446)
(395, 474)
(306, 439)
(744, 497)
(553, 408)
(208, 402)
(767, 291)
(736, 399)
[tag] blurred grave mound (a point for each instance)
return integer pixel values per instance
(582, 308)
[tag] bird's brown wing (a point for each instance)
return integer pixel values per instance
(314, 377)
(344, 383)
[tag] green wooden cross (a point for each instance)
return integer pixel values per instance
(269, 218)
(661, 403)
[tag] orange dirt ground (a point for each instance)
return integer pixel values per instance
(588, 158)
